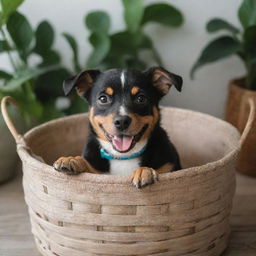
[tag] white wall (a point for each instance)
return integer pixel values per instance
(179, 48)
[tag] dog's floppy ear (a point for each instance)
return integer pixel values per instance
(82, 82)
(162, 79)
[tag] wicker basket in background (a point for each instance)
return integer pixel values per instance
(237, 113)
(186, 213)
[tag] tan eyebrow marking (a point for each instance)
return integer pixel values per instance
(109, 91)
(134, 90)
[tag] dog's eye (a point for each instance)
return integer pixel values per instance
(141, 99)
(103, 99)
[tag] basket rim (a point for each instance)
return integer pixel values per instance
(118, 179)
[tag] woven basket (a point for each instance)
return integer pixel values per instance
(186, 213)
(237, 113)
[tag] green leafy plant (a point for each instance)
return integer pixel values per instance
(237, 42)
(35, 87)
(124, 48)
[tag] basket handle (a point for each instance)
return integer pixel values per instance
(250, 121)
(7, 119)
(17, 136)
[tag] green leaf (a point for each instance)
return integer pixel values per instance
(98, 22)
(146, 42)
(44, 38)
(112, 62)
(219, 24)
(101, 45)
(247, 13)
(250, 42)
(7, 7)
(4, 46)
(135, 63)
(164, 14)
(5, 75)
(50, 112)
(122, 43)
(26, 100)
(49, 85)
(73, 45)
(51, 57)
(133, 13)
(251, 74)
(217, 49)
(78, 105)
(29, 103)
(24, 76)
(21, 33)
(124, 47)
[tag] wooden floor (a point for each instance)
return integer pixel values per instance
(16, 239)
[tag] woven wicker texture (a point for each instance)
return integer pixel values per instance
(186, 213)
(237, 114)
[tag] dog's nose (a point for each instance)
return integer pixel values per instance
(122, 122)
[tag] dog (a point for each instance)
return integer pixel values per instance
(125, 135)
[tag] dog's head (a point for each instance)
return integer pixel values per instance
(123, 104)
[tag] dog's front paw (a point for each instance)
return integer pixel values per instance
(144, 176)
(71, 165)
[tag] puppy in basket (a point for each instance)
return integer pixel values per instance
(125, 135)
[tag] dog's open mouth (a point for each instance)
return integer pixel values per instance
(123, 142)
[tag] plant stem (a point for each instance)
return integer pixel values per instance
(7, 50)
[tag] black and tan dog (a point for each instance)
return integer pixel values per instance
(125, 133)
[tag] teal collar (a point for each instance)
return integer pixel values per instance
(105, 154)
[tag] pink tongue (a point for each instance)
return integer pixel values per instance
(122, 143)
